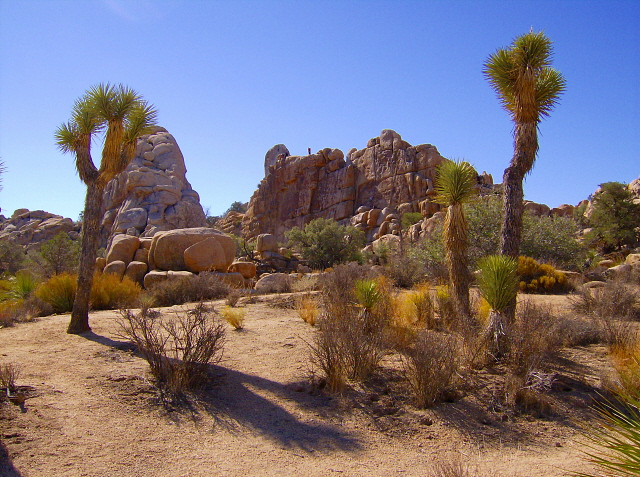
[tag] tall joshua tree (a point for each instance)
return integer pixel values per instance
(123, 116)
(528, 89)
(456, 185)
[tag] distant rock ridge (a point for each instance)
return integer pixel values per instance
(387, 174)
(153, 193)
(31, 228)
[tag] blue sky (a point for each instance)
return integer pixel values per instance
(232, 78)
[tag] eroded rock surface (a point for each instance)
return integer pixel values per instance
(153, 193)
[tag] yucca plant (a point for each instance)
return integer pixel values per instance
(456, 185)
(498, 282)
(614, 446)
(23, 284)
(368, 294)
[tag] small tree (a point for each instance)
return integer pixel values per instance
(236, 206)
(324, 242)
(11, 257)
(614, 217)
(60, 254)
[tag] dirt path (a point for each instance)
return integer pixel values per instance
(92, 412)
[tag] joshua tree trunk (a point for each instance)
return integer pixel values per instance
(457, 260)
(90, 234)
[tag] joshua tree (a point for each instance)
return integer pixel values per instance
(123, 116)
(528, 89)
(455, 185)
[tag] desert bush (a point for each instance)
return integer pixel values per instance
(450, 466)
(406, 269)
(410, 218)
(537, 277)
(426, 259)
(204, 286)
(60, 254)
(233, 297)
(178, 350)
(614, 300)
(429, 366)
(9, 374)
(23, 284)
(324, 243)
(337, 286)
(446, 306)
(11, 257)
(307, 307)
(532, 338)
(109, 292)
(234, 316)
(59, 292)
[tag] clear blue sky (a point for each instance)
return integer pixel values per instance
(232, 78)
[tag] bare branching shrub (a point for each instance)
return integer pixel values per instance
(430, 366)
(179, 349)
(450, 466)
(338, 285)
(233, 297)
(445, 305)
(9, 374)
(532, 337)
(201, 287)
(614, 300)
(327, 354)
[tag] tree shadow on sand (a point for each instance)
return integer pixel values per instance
(241, 400)
(6, 466)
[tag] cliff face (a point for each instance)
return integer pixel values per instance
(388, 173)
(153, 193)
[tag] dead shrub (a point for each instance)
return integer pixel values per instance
(201, 287)
(430, 365)
(179, 349)
(9, 374)
(233, 297)
(450, 466)
(338, 285)
(615, 299)
(532, 337)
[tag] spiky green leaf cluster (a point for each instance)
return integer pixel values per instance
(368, 293)
(455, 182)
(522, 76)
(498, 280)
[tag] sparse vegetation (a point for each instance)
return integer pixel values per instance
(179, 349)
(109, 292)
(204, 286)
(234, 316)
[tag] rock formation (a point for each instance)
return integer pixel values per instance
(32, 228)
(387, 174)
(153, 193)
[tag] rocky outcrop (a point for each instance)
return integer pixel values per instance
(32, 228)
(153, 193)
(387, 174)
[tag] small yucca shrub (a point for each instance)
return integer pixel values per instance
(109, 292)
(23, 284)
(59, 291)
(368, 293)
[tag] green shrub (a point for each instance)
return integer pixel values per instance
(60, 254)
(11, 257)
(537, 277)
(59, 292)
(23, 284)
(108, 292)
(410, 218)
(324, 243)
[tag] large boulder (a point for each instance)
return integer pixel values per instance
(117, 268)
(153, 193)
(123, 247)
(31, 228)
(246, 269)
(204, 256)
(274, 283)
(270, 158)
(168, 248)
(136, 271)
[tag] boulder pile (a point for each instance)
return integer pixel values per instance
(32, 228)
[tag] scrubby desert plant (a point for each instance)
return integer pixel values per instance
(204, 286)
(59, 291)
(234, 316)
(233, 297)
(537, 277)
(179, 349)
(60, 254)
(9, 374)
(23, 284)
(109, 292)
(448, 316)
(307, 307)
(429, 366)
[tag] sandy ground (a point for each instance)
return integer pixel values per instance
(91, 411)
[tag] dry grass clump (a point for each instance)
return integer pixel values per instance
(307, 307)
(430, 365)
(201, 287)
(614, 300)
(109, 292)
(59, 292)
(9, 374)
(233, 297)
(179, 349)
(234, 316)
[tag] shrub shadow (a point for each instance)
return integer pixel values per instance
(6, 466)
